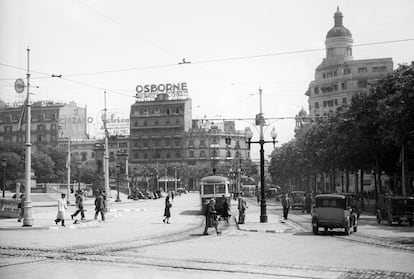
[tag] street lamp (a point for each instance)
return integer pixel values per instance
(4, 165)
(79, 167)
(118, 170)
(249, 135)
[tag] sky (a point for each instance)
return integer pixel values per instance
(235, 47)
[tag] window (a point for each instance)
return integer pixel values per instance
(202, 154)
(156, 122)
(93, 155)
(220, 188)
(362, 70)
(177, 155)
(324, 104)
(136, 123)
(335, 87)
(330, 103)
(53, 127)
(111, 155)
(190, 142)
(191, 154)
(41, 127)
(84, 156)
(383, 69)
(375, 69)
(324, 75)
(316, 90)
(7, 129)
(336, 102)
(202, 142)
(168, 155)
(208, 189)
(316, 105)
(362, 83)
(344, 101)
(145, 123)
(228, 154)
(335, 73)
(343, 85)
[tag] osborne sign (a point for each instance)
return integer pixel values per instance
(149, 92)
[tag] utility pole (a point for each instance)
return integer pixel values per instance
(68, 168)
(28, 216)
(106, 162)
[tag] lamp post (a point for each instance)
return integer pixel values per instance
(260, 121)
(4, 165)
(79, 167)
(118, 170)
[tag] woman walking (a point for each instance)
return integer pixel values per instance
(167, 213)
(62, 206)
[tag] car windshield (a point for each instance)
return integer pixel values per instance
(337, 203)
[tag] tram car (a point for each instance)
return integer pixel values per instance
(216, 187)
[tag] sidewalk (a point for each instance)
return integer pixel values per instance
(44, 212)
(274, 224)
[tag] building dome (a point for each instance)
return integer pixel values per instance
(339, 30)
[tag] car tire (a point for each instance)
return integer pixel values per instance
(410, 222)
(347, 228)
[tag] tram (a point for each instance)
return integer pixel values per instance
(216, 187)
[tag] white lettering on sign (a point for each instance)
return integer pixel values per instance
(150, 91)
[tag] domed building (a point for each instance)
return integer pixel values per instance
(339, 76)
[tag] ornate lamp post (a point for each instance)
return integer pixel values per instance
(118, 170)
(249, 135)
(79, 164)
(4, 166)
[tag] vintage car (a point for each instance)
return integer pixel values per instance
(333, 211)
(356, 202)
(297, 199)
(395, 209)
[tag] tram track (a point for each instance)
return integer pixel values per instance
(354, 237)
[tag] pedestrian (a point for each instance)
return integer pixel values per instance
(172, 195)
(242, 206)
(167, 212)
(211, 217)
(308, 203)
(286, 205)
(99, 205)
(79, 205)
(21, 206)
(226, 208)
(62, 206)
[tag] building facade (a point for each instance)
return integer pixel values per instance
(49, 122)
(339, 76)
(157, 129)
(209, 144)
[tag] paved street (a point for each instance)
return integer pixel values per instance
(134, 242)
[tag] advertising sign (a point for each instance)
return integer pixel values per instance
(149, 92)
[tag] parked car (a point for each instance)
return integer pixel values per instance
(333, 211)
(298, 199)
(395, 209)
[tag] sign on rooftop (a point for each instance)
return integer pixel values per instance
(149, 92)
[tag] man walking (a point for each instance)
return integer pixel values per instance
(99, 205)
(79, 204)
(286, 205)
(242, 206)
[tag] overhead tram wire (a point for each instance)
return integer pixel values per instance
(214, 60)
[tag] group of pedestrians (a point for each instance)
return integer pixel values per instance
(62, 206)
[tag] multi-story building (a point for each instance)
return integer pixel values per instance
(339, 76)
(49, 122)
(210, 144)
(158, 129)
